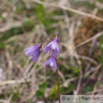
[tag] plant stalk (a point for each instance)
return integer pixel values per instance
(58, 84)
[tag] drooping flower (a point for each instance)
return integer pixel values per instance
(51, 62)
(52, 48)
(33, 52)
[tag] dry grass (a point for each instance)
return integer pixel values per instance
(25, 23)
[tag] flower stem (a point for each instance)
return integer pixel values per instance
(58, 84)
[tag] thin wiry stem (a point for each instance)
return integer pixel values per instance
(58, 84)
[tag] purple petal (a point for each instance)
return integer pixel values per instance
(51, 62)
(52, 48)
(35, 56)
(32, 52)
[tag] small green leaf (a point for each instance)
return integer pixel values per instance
(88, 88)
(43, 86)
(2, 45)
(98, 83)
(70, 86)
(53, 90)
(39, 94)
(37, 66)
(66, 66)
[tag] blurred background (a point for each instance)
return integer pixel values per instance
(25, 23)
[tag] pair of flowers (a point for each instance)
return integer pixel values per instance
(52, 48)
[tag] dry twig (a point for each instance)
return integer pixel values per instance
(69, 9)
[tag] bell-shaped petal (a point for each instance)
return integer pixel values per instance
(33, 52)
(52, 48)
(51, 62)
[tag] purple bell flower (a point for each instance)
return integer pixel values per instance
(52, 48)
(33, 52)
(51, 62)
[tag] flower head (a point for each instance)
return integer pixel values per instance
(33, 52)
(52, 48)
(51, 62)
